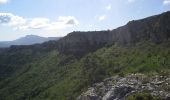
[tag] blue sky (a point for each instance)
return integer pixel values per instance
(58, 17)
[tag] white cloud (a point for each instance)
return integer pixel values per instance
(101, 18)
(68, 20)
(35, 23)
(21, 23)
(166, 2)
(11, 20)
(63, 22)
(3, 1)
(108, 7)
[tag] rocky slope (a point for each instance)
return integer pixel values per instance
(120, 88)
(155, 29)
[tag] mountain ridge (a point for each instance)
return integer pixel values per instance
(147, 29)
(27, 40)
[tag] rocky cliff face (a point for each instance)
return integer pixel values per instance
(80, 43)
(119, 88)
(155, 29)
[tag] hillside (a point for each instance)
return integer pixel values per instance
(63, 69)
(155, 29)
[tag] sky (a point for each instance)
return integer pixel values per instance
(53, 18)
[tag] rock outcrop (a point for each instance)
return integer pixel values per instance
(118, 88)
(155, 29)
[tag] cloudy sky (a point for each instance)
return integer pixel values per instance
(58, 17)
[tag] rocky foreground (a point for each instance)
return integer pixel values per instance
(120, 88)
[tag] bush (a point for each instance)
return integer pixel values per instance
(142, 96)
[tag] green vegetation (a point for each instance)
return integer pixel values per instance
(51, 75)
(142, 96)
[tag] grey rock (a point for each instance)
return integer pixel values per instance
(118, 88)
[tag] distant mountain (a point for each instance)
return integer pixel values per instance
(27, 40)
